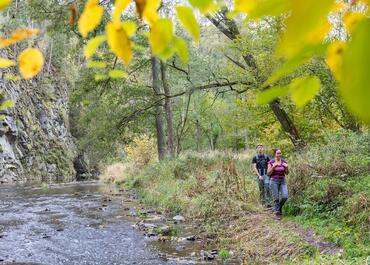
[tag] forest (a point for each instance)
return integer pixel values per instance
(168, 104)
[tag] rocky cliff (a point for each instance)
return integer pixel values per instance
(35, 142)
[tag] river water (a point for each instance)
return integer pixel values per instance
(76, 223)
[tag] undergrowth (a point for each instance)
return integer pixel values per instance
(328, 192)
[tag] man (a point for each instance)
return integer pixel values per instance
(260, 164)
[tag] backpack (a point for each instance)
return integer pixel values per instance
(263, 160)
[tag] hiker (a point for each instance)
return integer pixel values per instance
(260, 162)
(277, 169)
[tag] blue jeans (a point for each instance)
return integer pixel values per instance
(279, 186)
(265, 190)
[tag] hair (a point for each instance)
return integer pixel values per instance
(275, 150)
(259, 145)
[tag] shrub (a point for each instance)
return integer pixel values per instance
(141, 151)
(115, 173)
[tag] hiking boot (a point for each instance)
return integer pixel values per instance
(278, 216)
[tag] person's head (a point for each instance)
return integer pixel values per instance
(259, 149)
(278, 154)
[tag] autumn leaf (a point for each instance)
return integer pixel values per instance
(181, 48)
(147, 9)
(119, 41)
(117, 74)
(93, 45)
(256, 9)
(17, 35)
(161, 35)
(100, 77)
(204, 6)
(4, 3)
(119, 7)
(187, 19)
(4, 63)
(305, 26)
(30, 62)
(334, 57)
(73, 10)
(96, 64)
(90, 17)
(351, 20)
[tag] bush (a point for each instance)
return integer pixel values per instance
(329, 189)
(115, 173)
(141, 151)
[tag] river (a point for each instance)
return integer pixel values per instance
(78, 223)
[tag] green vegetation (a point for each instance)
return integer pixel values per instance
(330, 191)
(216, 191)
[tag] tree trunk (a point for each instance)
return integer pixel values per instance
(168, 110)
(230, 29)
(197, 135)
(286, 123)
(158, 109)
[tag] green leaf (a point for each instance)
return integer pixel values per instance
(7, 104)
(272, 93)
(303, 89)
(292, 63)
(354, 86)
(118, 74)
(187, 19)
(93, 45)
(96, 64)
(13, 77)
(100, 77)
(181, 49)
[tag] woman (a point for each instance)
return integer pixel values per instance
(277, 169)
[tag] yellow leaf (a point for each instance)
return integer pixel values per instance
(17, 35)
(351, 20)
(147, 9)
(4, 3)
(30, 62)
(337, 6)
(187, 19)
(161, 35)
(334, 57)
(4, 63)
(93, 45)
(90, 17)
(205, 6)
(119, 42)
(129, 27)
(96, 64)
(319, 33)
(119, 7)
(306, 18)
(117, 74)
(256, 9)
(181, 49)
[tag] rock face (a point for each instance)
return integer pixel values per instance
(35, 142)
